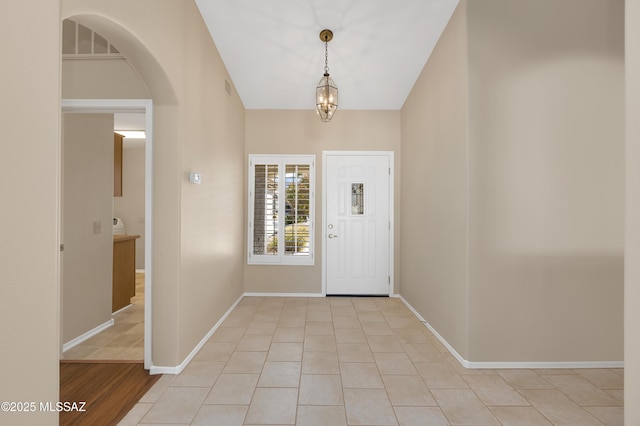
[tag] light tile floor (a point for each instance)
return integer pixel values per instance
(361, 361)
(124, 340)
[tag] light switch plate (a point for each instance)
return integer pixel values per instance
(97, 227)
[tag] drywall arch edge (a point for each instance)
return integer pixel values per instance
(141, 58)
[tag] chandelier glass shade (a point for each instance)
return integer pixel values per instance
(326, 91)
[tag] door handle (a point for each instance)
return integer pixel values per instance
(333, 236)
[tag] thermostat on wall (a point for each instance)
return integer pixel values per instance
(195, 177)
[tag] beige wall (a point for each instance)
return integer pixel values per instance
(632, 247)
(197, 252)
(101, 78)
(87, 188)
(546, 90)
(302, 132)
(130, 207)
(435, 190)
(213, 134)
(29, 172)
(532, 194)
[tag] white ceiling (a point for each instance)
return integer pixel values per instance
(130, 121)
(275, 57)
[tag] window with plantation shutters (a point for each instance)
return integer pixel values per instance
(281, 209)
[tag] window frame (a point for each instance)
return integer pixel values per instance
(282, 161)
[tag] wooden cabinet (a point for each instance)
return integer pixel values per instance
(124, 271)
(117, 164)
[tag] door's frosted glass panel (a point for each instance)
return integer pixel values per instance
(357, 199)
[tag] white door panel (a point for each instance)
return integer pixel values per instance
(357, 212)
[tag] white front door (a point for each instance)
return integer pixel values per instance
(357, 223)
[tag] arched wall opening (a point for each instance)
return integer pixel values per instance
(199, 125)
(161, 211)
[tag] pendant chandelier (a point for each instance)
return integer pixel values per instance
(326, 91)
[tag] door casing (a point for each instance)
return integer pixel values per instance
(139, 106)
(390, 155)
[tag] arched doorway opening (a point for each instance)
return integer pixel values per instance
(160, 93)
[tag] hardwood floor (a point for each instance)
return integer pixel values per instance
(109, 389)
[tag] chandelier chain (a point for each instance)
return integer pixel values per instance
(326, 57)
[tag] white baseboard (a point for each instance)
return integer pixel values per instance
(284, 295)
(442, 340)
(510, 365)
(156, 369)
(84, 336)
(139, 271)
(548, 365)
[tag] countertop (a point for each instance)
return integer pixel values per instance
(121, 238)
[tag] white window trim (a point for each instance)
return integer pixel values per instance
(281, 161)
